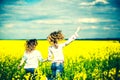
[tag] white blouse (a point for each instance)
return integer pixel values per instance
(57, 53)
(32, 59)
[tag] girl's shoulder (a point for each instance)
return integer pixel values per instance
(36, 51)
(50, 46)
(62, 44)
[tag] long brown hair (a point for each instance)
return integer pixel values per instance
(31, 44)
(55, 36)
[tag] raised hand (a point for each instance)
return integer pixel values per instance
(45, 60)
(76, 32)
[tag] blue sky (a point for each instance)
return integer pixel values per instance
(26, 19)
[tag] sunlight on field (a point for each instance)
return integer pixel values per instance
(77, 48)
(85, 58)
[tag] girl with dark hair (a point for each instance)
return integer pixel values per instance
(31, 56)
(55, 50)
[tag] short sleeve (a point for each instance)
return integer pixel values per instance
(49, 53)
(24, 57)
(39, 56)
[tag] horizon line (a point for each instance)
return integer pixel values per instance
(75, 39)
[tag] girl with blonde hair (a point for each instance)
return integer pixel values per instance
(55, 53)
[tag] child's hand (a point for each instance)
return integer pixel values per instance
(45, 60)
(19, 67)
(78, 28)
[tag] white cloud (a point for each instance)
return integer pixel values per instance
(102, 1)
(89, 27)
(93, 20)
(113, 28)
(63, 0)
(106, 28)
(66, 1)
(109, 28)
(94, 27)
(20, 2)
(94, 2)
(9, 25)
(55, 21)
(88, 20)
(37, 10)
(26, 11)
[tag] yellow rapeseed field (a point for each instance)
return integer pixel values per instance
(84, 48)
(84, 59)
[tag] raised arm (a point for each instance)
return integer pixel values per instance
(78, 29)
(73, 37)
